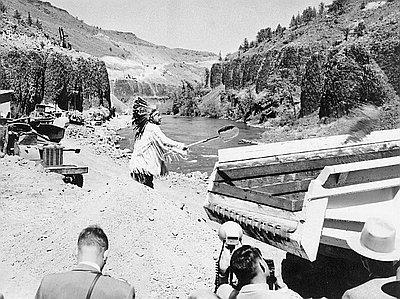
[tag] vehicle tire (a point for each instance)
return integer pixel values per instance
(67, 179)
(78, 180)
(75, 179)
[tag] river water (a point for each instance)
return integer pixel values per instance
(201, 157)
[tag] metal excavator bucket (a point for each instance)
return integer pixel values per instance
(300, 194)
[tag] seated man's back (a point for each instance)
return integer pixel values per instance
(75, 284)
(86, 279)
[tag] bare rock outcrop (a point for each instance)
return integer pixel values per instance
(53, 77)
(352, 78)
(342, 59)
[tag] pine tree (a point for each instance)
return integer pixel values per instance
(292, 22)
(346, 32)
(264, 34)
(245, 44)
(268, 33)
(298, 19)
(337, 6)
(278, 30)
(3, 8)
(309, 14)
(321, 9)
(38, 24)
(29, 19)
(314, 12)
(219, 56)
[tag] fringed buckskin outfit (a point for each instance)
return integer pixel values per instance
(150, 147)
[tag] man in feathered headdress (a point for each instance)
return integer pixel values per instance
(150, 144)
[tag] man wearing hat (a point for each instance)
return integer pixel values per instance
(379, 249)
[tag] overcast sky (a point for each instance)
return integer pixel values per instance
(211, 25)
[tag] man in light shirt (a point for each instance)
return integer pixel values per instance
(86, 280)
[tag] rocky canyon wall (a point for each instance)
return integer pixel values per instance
(53, 77)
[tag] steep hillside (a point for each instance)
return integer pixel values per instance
(342, 58)
(126, 55)
(38, 70)
(96, 41)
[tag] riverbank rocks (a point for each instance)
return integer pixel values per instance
(102, 139)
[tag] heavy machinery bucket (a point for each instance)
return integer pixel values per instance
(267, 188)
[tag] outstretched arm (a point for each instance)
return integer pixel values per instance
(167, 142)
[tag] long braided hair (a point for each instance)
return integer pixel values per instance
(141, 115)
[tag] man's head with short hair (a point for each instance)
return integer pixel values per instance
(93, 236)
(93, 245)
(248, 264)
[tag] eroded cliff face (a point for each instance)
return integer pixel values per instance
(286, 63)
(352, 78)
(332, 81)
(128, 89)
(277, 74)
(328, 66)
(312, 84)
(53, 77)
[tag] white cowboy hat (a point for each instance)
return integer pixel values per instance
(377, 241)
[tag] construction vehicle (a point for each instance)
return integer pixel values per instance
(20, 139)
(36, 139)
(308, 196)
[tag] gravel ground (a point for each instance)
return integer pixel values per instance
(161, 240)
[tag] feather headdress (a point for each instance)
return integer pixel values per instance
(141, 112)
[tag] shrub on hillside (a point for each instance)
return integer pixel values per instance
(211, 107)
(352, 78)
(186, 101)
(360, 29)
(3, 8)
(38, 24)
(337, 6)
(29, 19)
